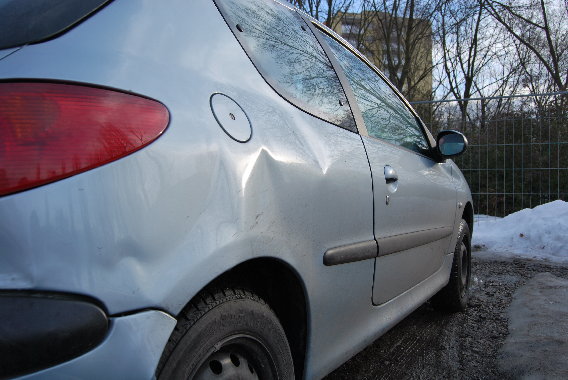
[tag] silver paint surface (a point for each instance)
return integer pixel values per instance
(422, 198)
(149, 231)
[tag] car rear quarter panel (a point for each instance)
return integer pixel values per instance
(150, 230)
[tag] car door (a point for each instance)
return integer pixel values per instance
(414, 196)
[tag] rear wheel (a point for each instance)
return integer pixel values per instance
(455, 295)
(227, 334)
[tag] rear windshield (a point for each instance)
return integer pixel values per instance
(27, 21)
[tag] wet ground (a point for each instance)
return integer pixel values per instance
(432, 345)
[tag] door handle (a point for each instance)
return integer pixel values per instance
(390, 174)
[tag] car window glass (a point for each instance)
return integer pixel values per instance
(386, 116)
(289, 57)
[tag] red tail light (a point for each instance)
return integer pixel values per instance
(50, 131)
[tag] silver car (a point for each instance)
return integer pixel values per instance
(210, 189)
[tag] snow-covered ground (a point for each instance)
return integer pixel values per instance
(540, 233)
(537, 345)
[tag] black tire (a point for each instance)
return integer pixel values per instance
(227, 334)
(455, 295)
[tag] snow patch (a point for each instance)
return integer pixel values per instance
(537, 344)
(540, 232)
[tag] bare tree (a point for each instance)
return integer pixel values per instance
(457, 48)
(406, 28)
(462, 52)
(476, 57)
(326, 11)
(539, 27)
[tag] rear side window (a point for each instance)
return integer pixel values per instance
(289, 57)
(27, 21)
(385, 114)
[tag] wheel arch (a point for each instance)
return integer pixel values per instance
(281, 287)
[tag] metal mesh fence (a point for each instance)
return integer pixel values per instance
(518, 148)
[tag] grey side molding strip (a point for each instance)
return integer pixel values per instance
(349, 253)
(397, 243)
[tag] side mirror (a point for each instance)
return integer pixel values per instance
(451, 143)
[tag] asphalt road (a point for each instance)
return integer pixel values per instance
(431, 345)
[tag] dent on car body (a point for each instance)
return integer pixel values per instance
(151, 230)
